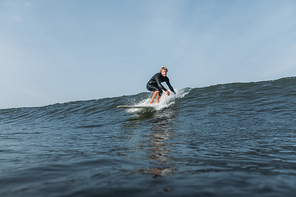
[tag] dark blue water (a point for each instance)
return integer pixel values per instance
(225, 140)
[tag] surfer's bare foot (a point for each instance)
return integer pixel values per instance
(150, 102)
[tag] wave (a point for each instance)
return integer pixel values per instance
(271, 94)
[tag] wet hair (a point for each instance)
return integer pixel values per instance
(163, 68)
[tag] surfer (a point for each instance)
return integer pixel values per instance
(155, 86)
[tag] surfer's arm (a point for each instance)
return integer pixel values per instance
(170, 86)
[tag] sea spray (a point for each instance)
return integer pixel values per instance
(164, 102)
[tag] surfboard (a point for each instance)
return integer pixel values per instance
(134, 106)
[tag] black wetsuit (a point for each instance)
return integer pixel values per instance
(154, 84)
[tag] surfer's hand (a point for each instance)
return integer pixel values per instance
(168, 93)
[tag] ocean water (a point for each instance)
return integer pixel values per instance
(235, 139)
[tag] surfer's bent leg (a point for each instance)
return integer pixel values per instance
(157, 91)
(154, 95)
(158, 97)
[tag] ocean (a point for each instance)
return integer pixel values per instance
(236, 139)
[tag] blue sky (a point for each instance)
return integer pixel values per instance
(66, 50)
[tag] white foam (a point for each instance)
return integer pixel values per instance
(164, 102)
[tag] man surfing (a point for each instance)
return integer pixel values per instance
(154, 84)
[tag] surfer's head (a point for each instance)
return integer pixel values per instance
(163, 71)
